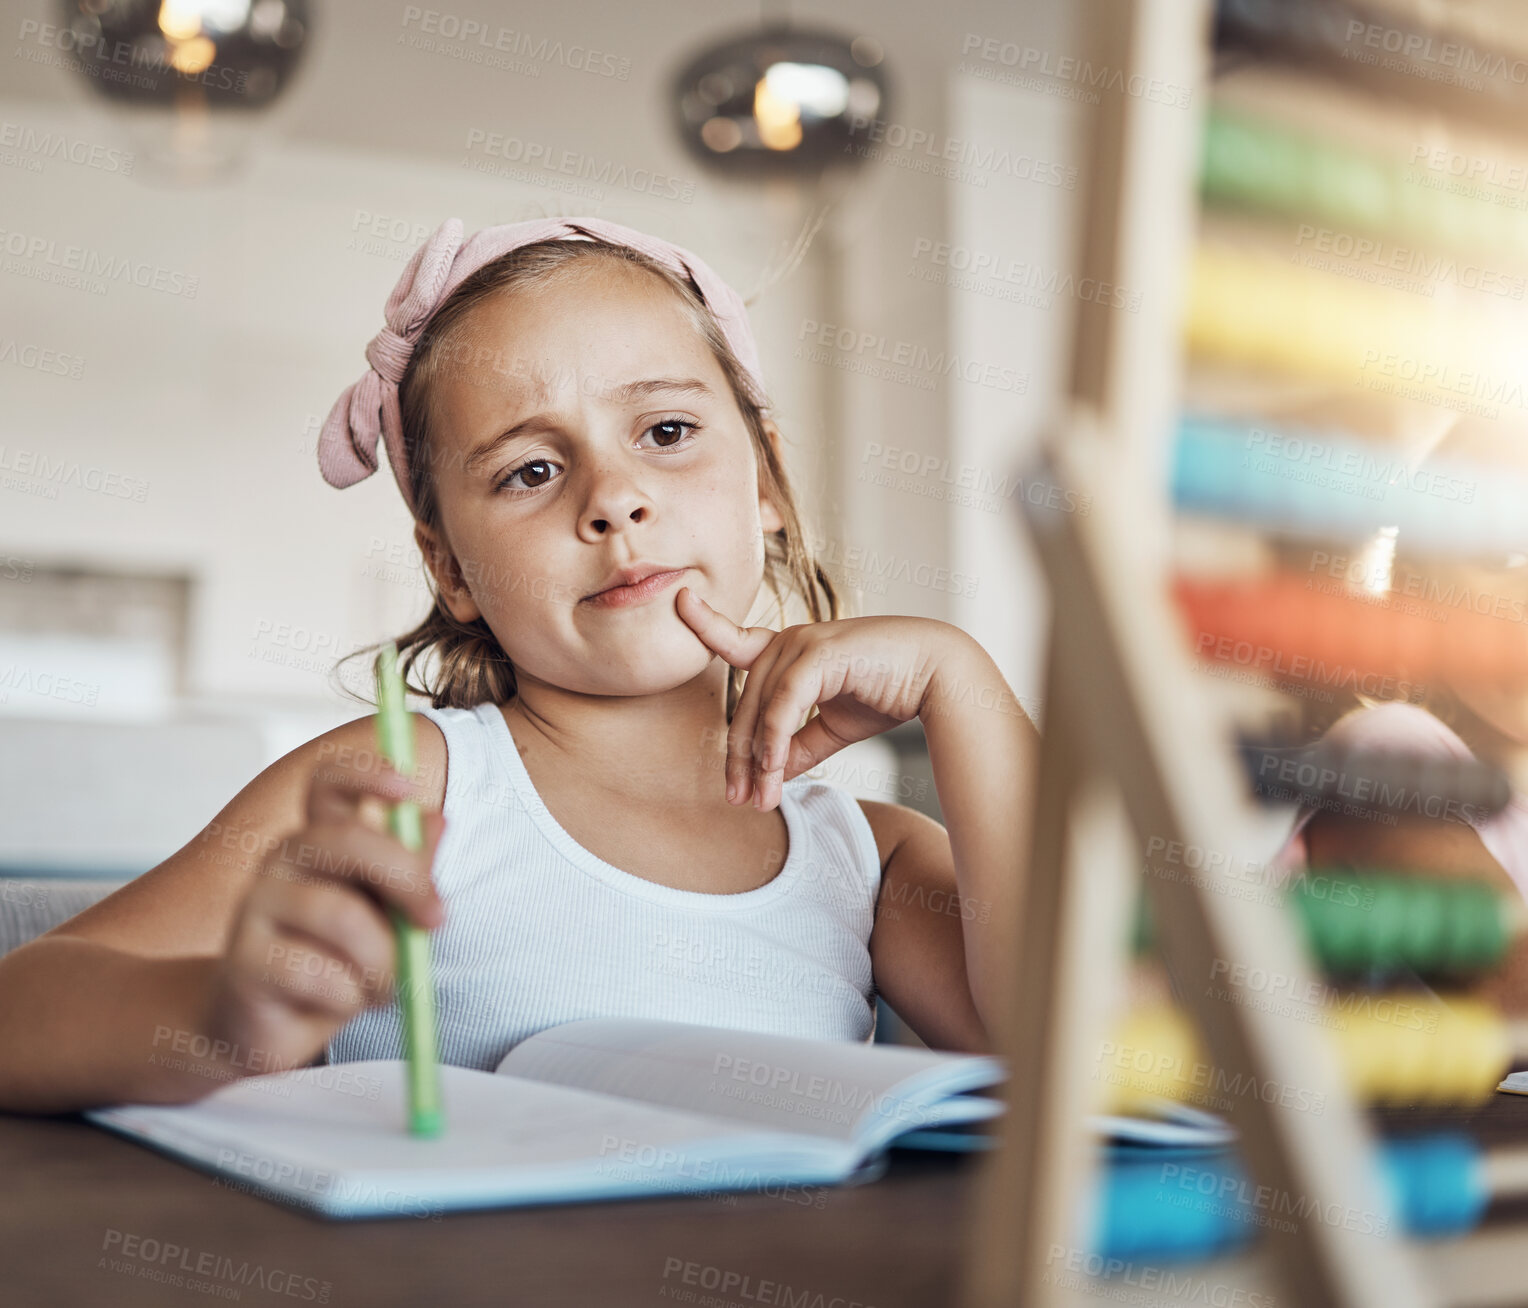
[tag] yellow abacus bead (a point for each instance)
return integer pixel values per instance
(1155, 1055)
(1395, 1049)
(1401, 1051)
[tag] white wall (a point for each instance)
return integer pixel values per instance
(214, 401)
(1015, 239)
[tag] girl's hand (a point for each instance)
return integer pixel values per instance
(312, 944)
(865, 675)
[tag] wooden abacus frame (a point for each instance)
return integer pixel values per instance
(1136, 760)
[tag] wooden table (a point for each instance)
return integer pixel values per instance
(88, 1218)
(81, 1212)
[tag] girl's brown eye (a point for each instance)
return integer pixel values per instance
(527, 479)
(671, 433)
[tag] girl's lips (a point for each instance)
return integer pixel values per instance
(620, 596)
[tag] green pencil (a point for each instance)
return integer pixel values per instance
(416, 988)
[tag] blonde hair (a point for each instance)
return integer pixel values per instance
(469, 665)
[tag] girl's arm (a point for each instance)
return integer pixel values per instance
(917, 945)
(78, 1025)
(114, 1004)
(865, 675)
(949, 894)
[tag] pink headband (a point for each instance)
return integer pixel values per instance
(347, 446)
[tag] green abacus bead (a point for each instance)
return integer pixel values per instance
(1331, 911)
(1394, 939)
(1430, 912)
(1142, 934)
(1480, 933)
(1383, 923)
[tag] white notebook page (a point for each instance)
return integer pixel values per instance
(839, 1090)
(291, 1133)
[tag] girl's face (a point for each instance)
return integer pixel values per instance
(580, 429)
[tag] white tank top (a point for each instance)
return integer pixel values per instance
(539, 931)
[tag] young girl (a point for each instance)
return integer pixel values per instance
(574, 414)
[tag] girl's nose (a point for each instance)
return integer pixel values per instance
(615, 502)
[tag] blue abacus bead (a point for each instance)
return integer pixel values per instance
(1149, 1209)
(1141, 1212)
(1217, 470)
(1437, 1183)
(1206, 471)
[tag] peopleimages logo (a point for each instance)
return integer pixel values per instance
(545, 157)
(869, 133)
(130, 63)
(730, 1288)
(38, 468)
(37, 359)
(1426, 48)
(934, 468)
(1080, 72)
(40, 251)
(1429, 268)
(477, 41)
(37, 146)
(1363, 470)
(205, 1270)
(869, 569)
(990, 265)
(849, 345)
(1066, 1269)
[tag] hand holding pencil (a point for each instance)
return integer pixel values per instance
(315, 940)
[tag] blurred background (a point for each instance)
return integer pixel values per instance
(206, 204)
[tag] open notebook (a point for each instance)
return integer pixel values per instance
(595, 1109)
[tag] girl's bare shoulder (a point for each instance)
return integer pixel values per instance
(354, 744)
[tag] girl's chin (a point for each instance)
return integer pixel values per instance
(663, 662)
